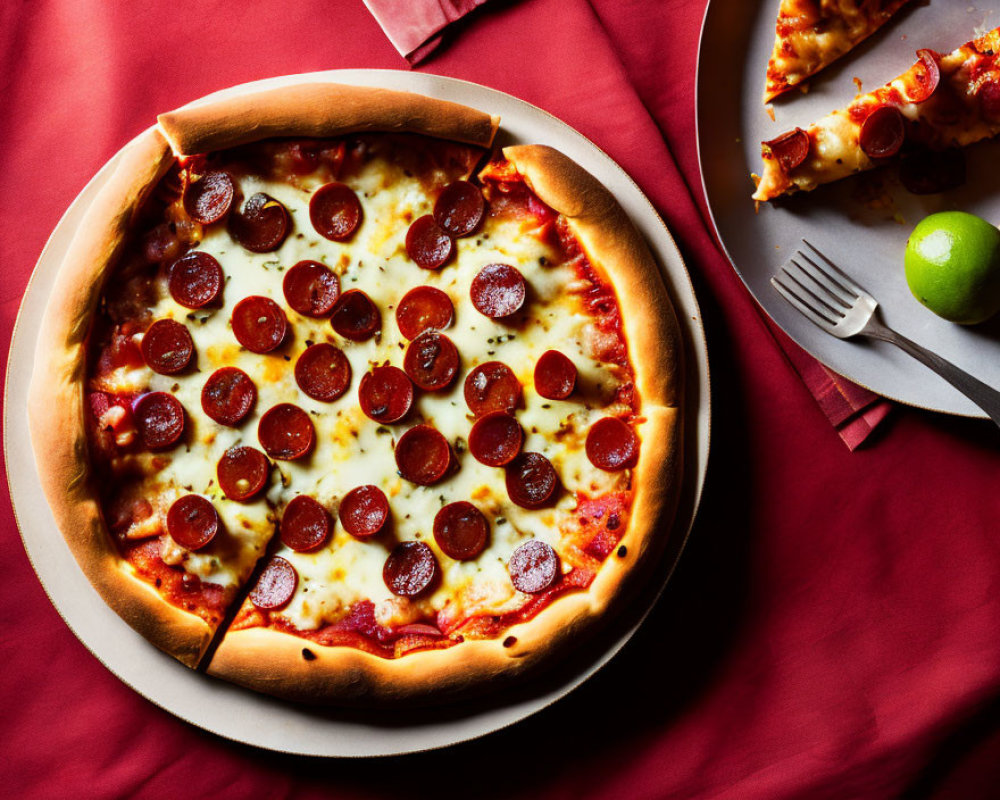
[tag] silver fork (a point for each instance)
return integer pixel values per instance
(829, 298)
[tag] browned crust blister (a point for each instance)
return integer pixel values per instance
(276, 662)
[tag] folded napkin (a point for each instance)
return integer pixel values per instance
(852, 410)
(415, 26)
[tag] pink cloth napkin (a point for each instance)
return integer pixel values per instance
(415, 26)
(853, 411)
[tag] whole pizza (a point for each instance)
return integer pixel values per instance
(337, 401)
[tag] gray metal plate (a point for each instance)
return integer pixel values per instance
(863, 222)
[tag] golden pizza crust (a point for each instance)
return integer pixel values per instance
(293, 667)
(60, 440)
(321, 109)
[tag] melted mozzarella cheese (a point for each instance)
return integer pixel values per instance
(352, 450)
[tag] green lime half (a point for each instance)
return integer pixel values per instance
(952, 266)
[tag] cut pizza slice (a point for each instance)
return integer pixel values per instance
(942, 102)
(811, 34)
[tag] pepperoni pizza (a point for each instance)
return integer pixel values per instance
(341, 404)
(941, 103)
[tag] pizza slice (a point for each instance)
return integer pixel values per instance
(811, 34)
(942, 102)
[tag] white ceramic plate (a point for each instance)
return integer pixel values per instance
(867, 243)
(233, 712)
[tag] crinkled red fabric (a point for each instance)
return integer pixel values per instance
(831, 631)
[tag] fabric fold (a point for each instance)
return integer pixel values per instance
(415, 26)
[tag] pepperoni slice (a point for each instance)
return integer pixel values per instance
(428, 244)
(228, 396)
(209, 198)
(423, 455)
(498, 291)
(495, 439)
(335, 211)
(431, 361)
(533, 567)
(195, 280)
(259, 324)
(364, 511)
(311, 288)
(555, 376)
(386, 394)
(791, 148)
(410, 569)
(459, 208)
(883, 132)
(305, 525)
(423, 308)
(275, 586)
(531, 480)
(355, 316)
(461, 530)
(612, 445)
(925, 79)
(167, 347)
(492, 386)
(242, 472)
(192, 521)
(262, 226)
(160, 419)
(286, 432)
(323, 372)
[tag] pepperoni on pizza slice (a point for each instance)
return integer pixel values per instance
(941, 103)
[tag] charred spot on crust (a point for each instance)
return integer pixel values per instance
(510, 641)
(308, 654)
(622, 551)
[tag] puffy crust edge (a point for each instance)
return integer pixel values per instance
(321, 109)
(348, 676)
(60, 440)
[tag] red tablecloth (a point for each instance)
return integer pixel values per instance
(832, 630)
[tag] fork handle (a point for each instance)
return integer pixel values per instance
(987, 398)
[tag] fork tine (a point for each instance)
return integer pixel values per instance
(833, 308)
(789, 294)
(839, 300)
(846, 281)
